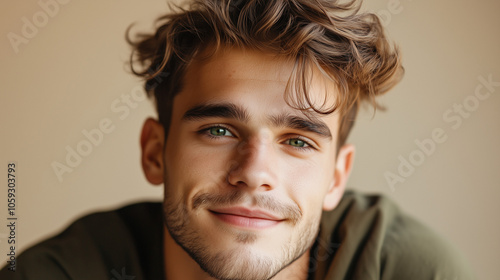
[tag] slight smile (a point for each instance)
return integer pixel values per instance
(246, 218)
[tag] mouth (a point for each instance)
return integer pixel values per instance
(246, 218)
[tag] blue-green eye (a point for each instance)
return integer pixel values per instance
(219, 131)
(295, 142)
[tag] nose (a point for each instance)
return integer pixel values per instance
(255, 166)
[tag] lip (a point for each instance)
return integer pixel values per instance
(247, 218)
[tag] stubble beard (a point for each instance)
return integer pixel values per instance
(238, 263)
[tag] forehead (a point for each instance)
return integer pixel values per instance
(234, 71)
(242, 64)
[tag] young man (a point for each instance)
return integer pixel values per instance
(255, 102)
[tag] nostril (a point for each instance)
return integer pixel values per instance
(267, 187)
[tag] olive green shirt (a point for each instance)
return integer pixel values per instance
(365, 237)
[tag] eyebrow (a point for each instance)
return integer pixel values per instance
(233, 111)
(310, 124)
(220, 110)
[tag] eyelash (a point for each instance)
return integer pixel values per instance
(205, 132)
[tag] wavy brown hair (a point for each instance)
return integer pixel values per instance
(349, 48)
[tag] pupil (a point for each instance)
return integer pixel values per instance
(297, 142)
(218, 131)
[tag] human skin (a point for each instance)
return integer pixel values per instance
(244, 195)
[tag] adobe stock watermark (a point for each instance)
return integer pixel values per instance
(393, 7)
(324, 251)
(121, 276)
(454, 117)
(32, 25)
(94, 137)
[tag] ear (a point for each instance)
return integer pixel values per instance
(343, 168)
(152, 141)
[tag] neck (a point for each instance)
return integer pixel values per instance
(180, 266)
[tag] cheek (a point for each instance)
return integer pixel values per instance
(309, 182)
(191, 167)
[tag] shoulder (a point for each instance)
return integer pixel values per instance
(410, 249)
(96, 246)
(377, 240)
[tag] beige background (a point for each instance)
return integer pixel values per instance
(71, 75)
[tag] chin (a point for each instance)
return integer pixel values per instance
(241, 264)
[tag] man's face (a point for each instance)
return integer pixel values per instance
(246, 176)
